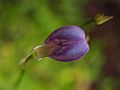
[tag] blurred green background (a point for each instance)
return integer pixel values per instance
(25, 24)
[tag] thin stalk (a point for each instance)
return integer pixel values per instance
(17, 83)
(22, 71)
(88, 24)
(38, 52)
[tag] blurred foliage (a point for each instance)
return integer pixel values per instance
(25, 24)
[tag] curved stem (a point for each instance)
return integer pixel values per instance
(25, 60)
(17, 83)
(38, 52)
(22, 71)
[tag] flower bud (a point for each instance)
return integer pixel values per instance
(68, 43)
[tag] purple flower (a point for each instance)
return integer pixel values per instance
(68, 43)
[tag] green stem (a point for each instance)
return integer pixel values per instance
(88, 23)
(22, 71)
(17, 83)
(38, 52)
